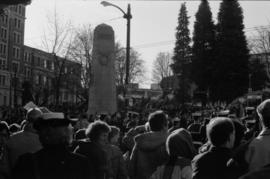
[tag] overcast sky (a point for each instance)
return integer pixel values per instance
(152, 26)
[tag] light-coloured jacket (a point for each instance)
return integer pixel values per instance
(258, 153)
(117, 166)
(181, 170)
(148, 153)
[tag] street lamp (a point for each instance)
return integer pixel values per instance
(128, 16)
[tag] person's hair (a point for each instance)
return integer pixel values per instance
(95, 129)
(157, 121)
(263, 111)
(114, 131)
(219, 130)
(4, 126)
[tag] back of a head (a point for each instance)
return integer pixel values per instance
(219, 130)
(157, 121)
(95, 129)
(263, 111)
(33, 114)
(179, 144)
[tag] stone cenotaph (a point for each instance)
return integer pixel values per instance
(102, 92)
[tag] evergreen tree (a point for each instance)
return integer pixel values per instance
(231, 65)
(258, 76)
(181, 56)
(202, 49)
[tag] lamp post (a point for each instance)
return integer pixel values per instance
(128, 16)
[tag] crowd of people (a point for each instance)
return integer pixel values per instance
(158, 146)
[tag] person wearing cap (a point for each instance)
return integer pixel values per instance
(54, 160)
(26, 140)
(258, 151)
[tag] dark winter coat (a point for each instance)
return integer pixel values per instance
(52, 163)
(96, 156)
(212, 164)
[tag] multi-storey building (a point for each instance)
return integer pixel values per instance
(48, 72)
(20, 64)
(11, 44)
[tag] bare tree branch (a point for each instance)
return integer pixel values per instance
(161, 67)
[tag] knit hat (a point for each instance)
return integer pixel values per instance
(179, 143)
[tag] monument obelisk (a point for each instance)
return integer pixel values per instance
(102, 92)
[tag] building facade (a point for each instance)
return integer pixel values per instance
(11, 44)
(21, 65)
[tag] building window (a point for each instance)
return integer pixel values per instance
(37, 79)
(4, 19)
(49, 82)
(17, 37)
(17, 23)
(2, 80)
(41, 62)
(19, 9)
(38, 61)
(45, 63)
(15, 67)
(3, 49)
(3, 33)
(29, 58)
(16, 52)
(3, 64)
(16, 8)
(25, 56)
(49, 65)
(27, 72)
(44, 80)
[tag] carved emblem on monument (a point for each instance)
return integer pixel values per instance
(103, 58)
